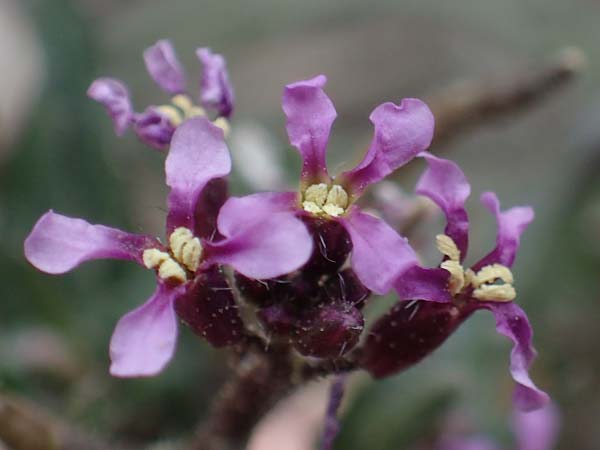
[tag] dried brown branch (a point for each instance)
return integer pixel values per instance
(472, 103)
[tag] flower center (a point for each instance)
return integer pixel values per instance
(182, 108)
(493, 283)
(185, 252)
(322, 199)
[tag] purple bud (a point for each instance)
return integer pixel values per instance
(332, 245)
(408, 333)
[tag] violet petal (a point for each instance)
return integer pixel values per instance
(512, 322)
(260, 243)
(445, 183)
(511, 224)
(198, 154)
(537, 430)
(310, 114)
(164, 67)
(58, 244)
(418, 283)
(401, 132)
(216, 90)
(471, 443)
(379, 254)
(114, 96)
(144, 339)
(154, 128)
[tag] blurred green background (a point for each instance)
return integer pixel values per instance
(57, 150)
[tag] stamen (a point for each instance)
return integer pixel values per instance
(311, 207)
(489, 274)
(183, 102)
(170, 270)
(172, 114)
(223, 124)
(495, 293)
(317, 194)
(457, 276)
(338, 197)
(153, 257)
(447, 247)
(333, 210)
(186, 248)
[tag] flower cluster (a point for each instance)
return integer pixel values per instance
(305, 262)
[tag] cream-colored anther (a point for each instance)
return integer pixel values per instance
(333, 210)
(183, 102)
(172, 114)
(170, 270)
(311, 207)
(317, 194)
(469, 278)
(447, 247)
(186, 248)
(337, 197)
(489, 274)
(223, 124)
(153, 257)
(457, 276)
(495, 293)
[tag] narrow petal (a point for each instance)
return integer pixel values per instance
(154, 128)
(310, 114)
(418, 283)
(59, 243)
(409, 332)
(445, 183)
(144, 339)
(209, 309)
(512, 322)
(537, 430)
(114, 96)
(216, 90)
(379, 254)
(198, 154)
(401, 133)
(260, 243)
(164, 67)
(332, 423)
(511, 224)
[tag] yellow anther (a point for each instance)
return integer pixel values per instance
(186, 248)
(170, 270)
(489, 274)
(333, 210)
(153, 257)
(223, 124)
(311, 207)
(338, 197)
(457, 276)
(469, 278)
(317, 194)
(172, 114)
(183, 102)
(192, 251)
(196, 111)
(447, 247)
(495, 293)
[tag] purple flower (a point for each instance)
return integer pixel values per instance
(402, 131)
(534, 430)
(442, 298)
(255, 240)
(155, 126)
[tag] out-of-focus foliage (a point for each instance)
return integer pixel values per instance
(66, 158)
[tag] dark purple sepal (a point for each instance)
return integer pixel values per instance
(256, 292)
(278, 319)
(154, 128)
(328, 331)
(209, 309)
(332, 245)
(347, 288)
(408, 333)
(208, 204)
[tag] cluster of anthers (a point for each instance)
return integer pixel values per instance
(182, 108)
(321, 199)
(184, 255)
(492, 283)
